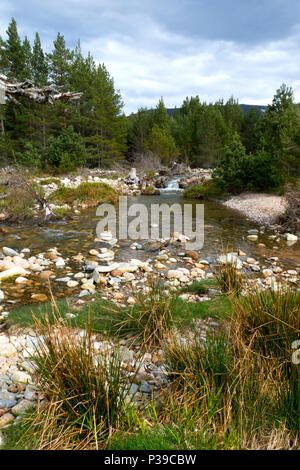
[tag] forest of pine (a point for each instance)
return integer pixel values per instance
(94, 131)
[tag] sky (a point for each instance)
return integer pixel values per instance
(175, 48)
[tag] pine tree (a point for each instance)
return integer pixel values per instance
(106, 126)
(12, 52)
(60, 60)
(39, 63)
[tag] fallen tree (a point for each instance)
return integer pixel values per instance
(47, 94)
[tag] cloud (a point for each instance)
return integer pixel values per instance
(176, 48)
(174, 67)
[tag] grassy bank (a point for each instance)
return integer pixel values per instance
(89, 194)
(237, 389)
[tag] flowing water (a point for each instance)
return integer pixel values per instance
(223, 228)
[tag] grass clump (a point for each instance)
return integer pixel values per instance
(230, 280)
(148, 321)
(269, 322)
(200, 287)
(90, 194)
(198, 365)
(87, 393)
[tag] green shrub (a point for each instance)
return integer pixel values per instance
(30, 157)
(239, 172)
(67, 151)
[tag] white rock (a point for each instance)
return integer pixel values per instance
(20, 377)
(72, 283)
(291, 238)
(231, 258)
(9, 251)
(15, 271)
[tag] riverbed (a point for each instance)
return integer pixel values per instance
(224, 229)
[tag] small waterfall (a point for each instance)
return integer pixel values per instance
(172, 185)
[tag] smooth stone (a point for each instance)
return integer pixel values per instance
(63, 279)
(22, 407)
(70, 315)
(107, 269)
(133, 389)
(6, 419)
(7, 403)
(21, 280)
(9, 251)
(96, 276)
(12, 272)
(192, 254)
(84, 293)
(126, 267)
(254, 267)
(78, 276)
(8, 350)
(174, 274)
(252, 238)
(291, 238)
(20, 377)
(72, 284)
(145, 387)
(45, 275)
(39, 297)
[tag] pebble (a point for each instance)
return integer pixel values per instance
(6, 419)
(23, 406)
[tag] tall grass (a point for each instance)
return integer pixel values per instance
(147, 322)
(230, 280)
(268, 322)
(201, 374)
(88, 393)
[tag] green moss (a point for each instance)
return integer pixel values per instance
(150, 191)
(49, 181)
(210, 189)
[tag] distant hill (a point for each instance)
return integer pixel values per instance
(245, 108)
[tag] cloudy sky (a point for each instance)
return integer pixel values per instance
(176, 48)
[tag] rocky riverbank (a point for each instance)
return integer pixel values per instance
(97, 273)
(262, 208)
